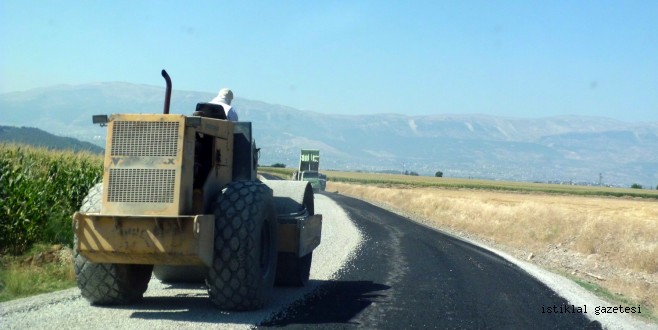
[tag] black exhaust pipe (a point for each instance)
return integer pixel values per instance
(167, 93)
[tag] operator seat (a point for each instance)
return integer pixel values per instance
(210, 110)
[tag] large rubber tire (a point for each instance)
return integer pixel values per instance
(108, 284)
(245, 257)
(180, 274)
(293, 270)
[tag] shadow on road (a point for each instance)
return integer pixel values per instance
(344, 299)
(336, 302)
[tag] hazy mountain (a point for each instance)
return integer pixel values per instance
(567, 148)
(36, 137)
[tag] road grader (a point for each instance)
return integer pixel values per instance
(180, 199)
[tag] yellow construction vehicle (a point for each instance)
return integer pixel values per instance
(180, 198)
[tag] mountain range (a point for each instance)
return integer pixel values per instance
(39, 138)
(551, 149)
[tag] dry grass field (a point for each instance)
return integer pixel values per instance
(458, 183)
(611, 242)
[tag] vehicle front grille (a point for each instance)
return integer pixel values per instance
(145, 138)
(132, 185)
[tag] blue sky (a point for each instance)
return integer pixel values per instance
(504, 58)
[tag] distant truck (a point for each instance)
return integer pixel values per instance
(309, 169)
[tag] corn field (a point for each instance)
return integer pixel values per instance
(39, 192)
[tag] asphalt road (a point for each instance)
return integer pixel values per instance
(407, 276)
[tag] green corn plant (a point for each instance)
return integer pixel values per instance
(40, 190)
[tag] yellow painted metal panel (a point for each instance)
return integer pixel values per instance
(143, 166)
(184, 240)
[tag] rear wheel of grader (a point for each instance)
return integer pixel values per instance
(108, 284)
(245, 257)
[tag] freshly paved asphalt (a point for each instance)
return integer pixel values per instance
(407, 276)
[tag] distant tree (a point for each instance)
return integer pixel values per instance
(413, 173)
(636, 186)
(278, 165)
(656, 187)
(438, 174)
